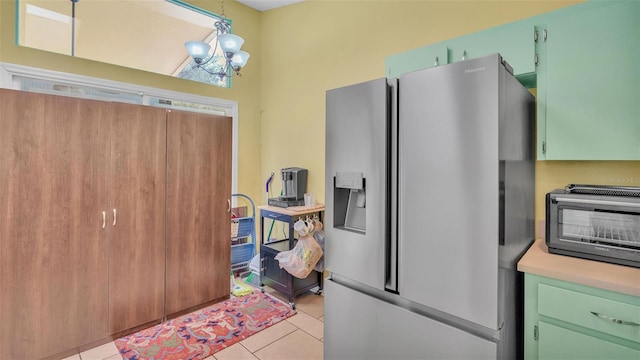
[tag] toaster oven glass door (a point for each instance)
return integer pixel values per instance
(615, 228)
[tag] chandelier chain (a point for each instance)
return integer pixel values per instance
(222, 8)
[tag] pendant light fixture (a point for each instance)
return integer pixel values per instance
(230, 45)
(73, 27)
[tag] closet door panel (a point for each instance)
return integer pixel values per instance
(137, 194)
(53, 249)
(198, 221)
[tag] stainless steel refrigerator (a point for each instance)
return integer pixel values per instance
(429, 205)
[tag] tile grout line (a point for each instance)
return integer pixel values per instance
(283, 336)
(249, 351)
(299, 328)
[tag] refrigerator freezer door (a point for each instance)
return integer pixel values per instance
(358, 326)
(449, 189)
(356, 180)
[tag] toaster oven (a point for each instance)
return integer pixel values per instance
(595, 222)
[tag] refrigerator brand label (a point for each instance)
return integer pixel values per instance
(466, 71)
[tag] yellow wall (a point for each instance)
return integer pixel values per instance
(300, 51)
(318, 45)
(246, 89)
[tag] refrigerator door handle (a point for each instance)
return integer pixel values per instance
(392, 236)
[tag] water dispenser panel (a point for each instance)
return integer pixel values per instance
(350, 180)
(350, 201)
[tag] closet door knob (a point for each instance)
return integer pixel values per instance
(114, 217)
(228, 205)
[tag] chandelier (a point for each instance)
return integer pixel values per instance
(230, 45)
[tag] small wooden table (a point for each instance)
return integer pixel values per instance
(271, 244)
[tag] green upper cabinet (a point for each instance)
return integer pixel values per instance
(417, 59)
(588, 80)
(514, 41)
(585, 62)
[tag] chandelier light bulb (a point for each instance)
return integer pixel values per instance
(239, 59)
(198, 50)
(230, 42)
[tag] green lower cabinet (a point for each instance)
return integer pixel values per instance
(556, 342)
(588, 79)
(565, 320)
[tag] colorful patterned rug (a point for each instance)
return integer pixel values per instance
(200, 334)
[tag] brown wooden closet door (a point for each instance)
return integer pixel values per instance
(137, 194)
(53, 249)
(198, 224)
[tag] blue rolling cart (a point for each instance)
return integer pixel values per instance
(243, 238)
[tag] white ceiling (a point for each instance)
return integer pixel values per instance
(264, 5)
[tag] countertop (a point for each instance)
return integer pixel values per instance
(293, 210)
(538, 261)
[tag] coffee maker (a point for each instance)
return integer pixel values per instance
(294, 186)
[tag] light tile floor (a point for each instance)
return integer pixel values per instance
(298, 337)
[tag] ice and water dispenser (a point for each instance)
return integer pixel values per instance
(349, 201)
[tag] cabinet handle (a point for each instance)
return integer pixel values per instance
(228, 205)
(614, 320)
(104, 219)
(114, 217)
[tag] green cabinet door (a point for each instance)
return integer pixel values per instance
(565, 320)
(559, 343)
(589, 82)
(514, 41)
(417, 59)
